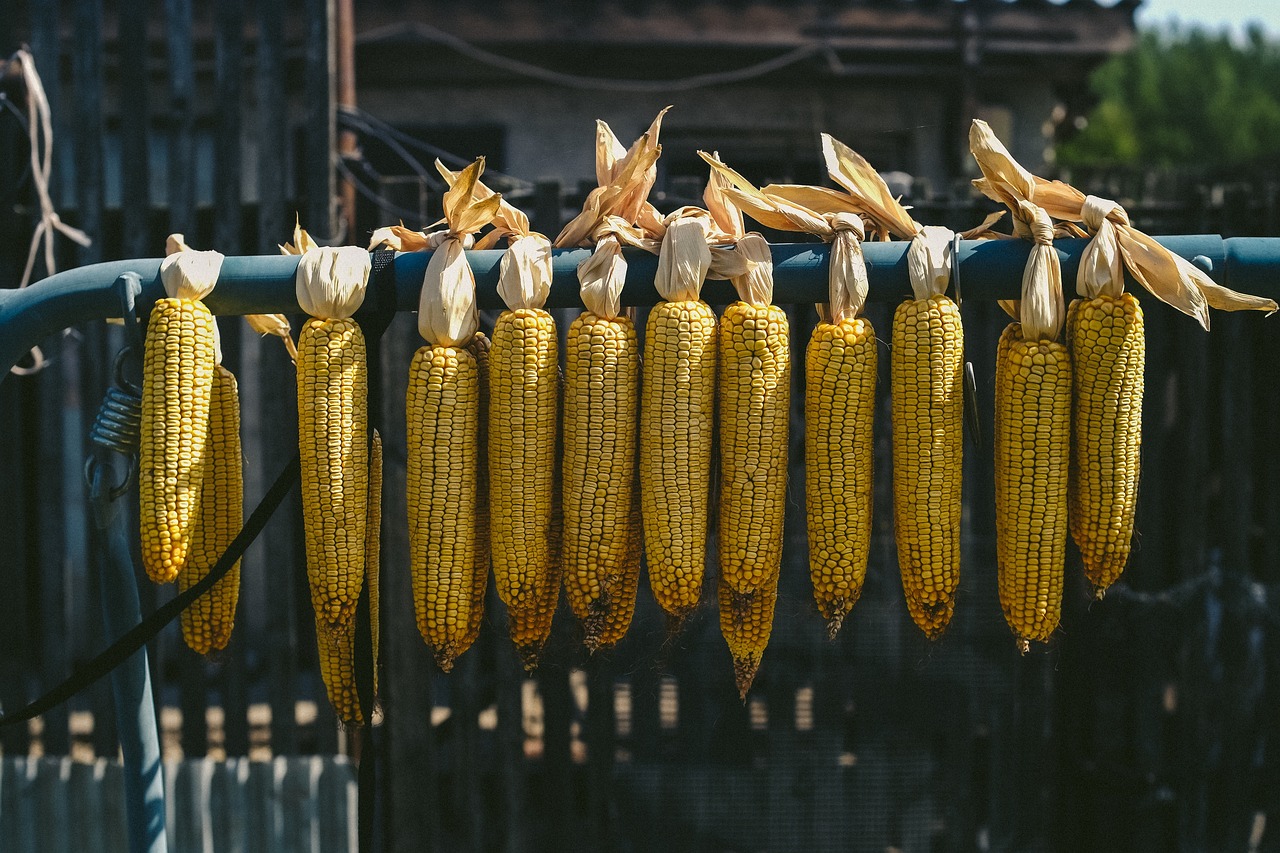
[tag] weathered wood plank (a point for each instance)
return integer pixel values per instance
(135, 127)
(272, 125)
(182, 117)
(296, 786)
(228, 51)
(318, 97)
(336, 796)
(53, 813)
(84, 796)
(263, 807)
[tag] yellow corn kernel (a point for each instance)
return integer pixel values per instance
(373, 553)
(177, 382)
(336, 646)
(334, 445)
(1032, 449)
(840, 392)
(746, 622)
(523, 380)
(677, 403)
(755, 413)
(530, 625)
(1108, 357)
(479, 348)
(612, 626)
(602, 368)
(927, 384)
(207, 623)
(443, 416)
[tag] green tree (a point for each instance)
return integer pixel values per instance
(1187, 98)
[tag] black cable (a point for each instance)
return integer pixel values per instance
(123, 648)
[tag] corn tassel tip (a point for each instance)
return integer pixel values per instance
(1023, 644)
(744, 674)
(529, 656)
(1099, 593)
(444, 660)
(833, 626)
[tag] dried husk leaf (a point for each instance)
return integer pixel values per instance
(601, 277)
(724, 212)
(1101, 266)
(187, 273)
(1167, 276)
(399, 238)
(847, 277)
(851, 171)
(1041, 307)
(331, 281)
(524, 275)
(609, 150)
(447, 314)
(302, 241)
(929, 261)
(755, 285)
(507, 218)
(684, 258)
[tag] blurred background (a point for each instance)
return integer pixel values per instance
(1148, 723)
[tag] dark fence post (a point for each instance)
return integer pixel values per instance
(135, 128)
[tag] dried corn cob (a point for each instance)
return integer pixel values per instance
(677, 402)
(746, 622)
(443, 414)
(373, 553)
(602, 367)
(1108, 355)
(336, 647)
(479, 349)
(755, 413)
(839, 388)
(207, 623)
(1032, 445)
(178, 369)
(333, 428)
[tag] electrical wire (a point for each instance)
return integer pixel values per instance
(404, 214)
(576, 81)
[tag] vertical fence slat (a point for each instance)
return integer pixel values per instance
(228, 64)
(182, 117)
(135, 128)
(318, 96)
(412, 810)
(272, 125)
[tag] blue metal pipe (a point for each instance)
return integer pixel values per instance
(988, 269)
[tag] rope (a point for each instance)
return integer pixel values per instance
(576, 81)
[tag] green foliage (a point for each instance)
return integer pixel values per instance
(1187, 98)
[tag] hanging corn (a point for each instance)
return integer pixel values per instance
(927, 392)
(333, 425)
(443, 413)
(602, 372)
(179, 363)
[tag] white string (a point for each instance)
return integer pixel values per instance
(40, 124)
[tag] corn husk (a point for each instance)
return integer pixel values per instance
(331, 281)
(1167, 276)
(187, 273)
(1042, 311)
(780, 207)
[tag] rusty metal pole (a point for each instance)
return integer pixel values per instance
(347, 145)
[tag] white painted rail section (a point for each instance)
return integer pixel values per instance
(286, 805)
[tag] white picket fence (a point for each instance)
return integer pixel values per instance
(286, 805)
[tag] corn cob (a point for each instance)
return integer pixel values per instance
(443, 415)
(479, 348)
(1033, 444)
(677, 402)
(927, 374)
(336, 645)
(602, 367)
(178, 368)
(840, 391)
(601, 382)
(530, 626)
(207, 623)
(1105, 334)
(746, 622)
(333, 429)
(444, 418)
(522, 442)
(373, 553)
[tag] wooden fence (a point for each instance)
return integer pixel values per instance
(1148, 724)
